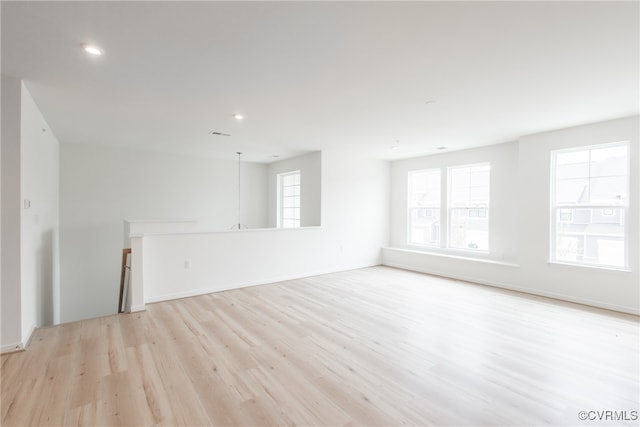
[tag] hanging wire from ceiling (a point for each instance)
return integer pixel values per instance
(239, 224)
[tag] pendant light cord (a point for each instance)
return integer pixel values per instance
(239, 191)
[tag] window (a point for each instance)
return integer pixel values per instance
(565, 215)
(468, 207)
(424, 207)
(289, 199)
(589, 203)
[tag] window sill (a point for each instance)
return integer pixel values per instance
(593, 267)
(457, 256)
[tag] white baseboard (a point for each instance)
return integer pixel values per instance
(18, 346)
(27, 339)
(204, 291)
(11, 348)
(135, 308)
(495, 284)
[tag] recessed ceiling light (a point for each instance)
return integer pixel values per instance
(429, 101)
(275, 156)
(442, 147)
(394, 147)
(238, 116)
(93, 50)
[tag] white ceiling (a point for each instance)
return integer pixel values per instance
(322, 75)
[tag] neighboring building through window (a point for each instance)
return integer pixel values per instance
(468, 207)
(589, 204)
(289, 199)
(424, 207)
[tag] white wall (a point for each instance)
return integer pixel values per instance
(617, 290)
(30, 276)
(310, 166)
(519, 233)
(11, 211)
(101, 186)
(39, 231)
(354, 227)
(503, 226)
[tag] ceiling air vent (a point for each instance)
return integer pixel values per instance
(213, 132)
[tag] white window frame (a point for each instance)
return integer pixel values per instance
(554, 207)
(444, 245)
(281, 197)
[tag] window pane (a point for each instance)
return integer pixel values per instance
(615, 166)
(592, 235)
(425, 188)
(478, 194)
(609, 190)
(424, 207)
(289, 199)
(425, 226)
(608, 153)
(565, 215)
(460, 196)
(469, 229)
(459, 177)
(469, 207)
(479, 177)
(573, 170)
(572, 157)
(585, 233)
(572, 191)
(592, 176)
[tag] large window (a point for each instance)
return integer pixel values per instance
(589, 203)
(289, 199)
(468, 207)
(424, 207)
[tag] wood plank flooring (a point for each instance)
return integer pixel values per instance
(374, 347)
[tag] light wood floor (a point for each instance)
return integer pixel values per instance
(376, 346)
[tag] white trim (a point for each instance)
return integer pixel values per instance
(529, 291)
(11, 348)
(204, 291)
(592, 206)
(27, 339)
(234, 231)
(136, 308)
(594, 266)
(450, 256)
(19, 346)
